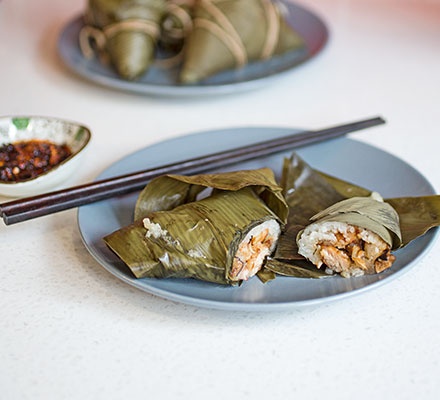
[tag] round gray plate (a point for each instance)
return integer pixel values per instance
(165, 81)
(345, 158)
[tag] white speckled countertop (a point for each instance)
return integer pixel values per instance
(70, 330)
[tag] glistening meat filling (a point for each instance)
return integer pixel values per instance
(253, 250)
(355, 252)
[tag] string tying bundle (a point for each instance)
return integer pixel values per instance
(223, 29)
(90, 34)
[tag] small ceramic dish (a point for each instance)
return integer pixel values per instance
(23, 128)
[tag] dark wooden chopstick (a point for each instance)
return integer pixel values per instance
(49, 203)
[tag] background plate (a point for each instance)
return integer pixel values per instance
(164, 82)
(345, 158)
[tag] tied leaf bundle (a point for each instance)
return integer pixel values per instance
(176, 236)
(125, 31)
(229, 33)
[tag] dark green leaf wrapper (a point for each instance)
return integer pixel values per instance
(295, 269)
(266, 275)
(308, 193)
(417, 215)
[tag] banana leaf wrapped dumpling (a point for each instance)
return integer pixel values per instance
(125, 31)
(223, 238)
(229, 33)
(343, 228)
(352, 237)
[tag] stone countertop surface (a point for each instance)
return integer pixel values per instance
(70, 330)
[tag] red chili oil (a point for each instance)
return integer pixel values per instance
(25, 160)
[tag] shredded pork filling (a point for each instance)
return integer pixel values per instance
(352, 252)
(253, 250)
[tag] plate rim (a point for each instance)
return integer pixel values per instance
(193, 90)
(256, 306)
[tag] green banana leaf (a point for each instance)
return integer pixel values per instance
(306, 193)
(416, 214)
(295, 269)
(206, 52)
(197, 239)
(312, 195)
(345, 189)
(266, 275)
(131, 51)
(169, 191)
(376, 216)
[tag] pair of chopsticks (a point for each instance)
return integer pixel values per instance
(49, 203)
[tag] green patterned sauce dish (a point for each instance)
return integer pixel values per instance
(61, 142)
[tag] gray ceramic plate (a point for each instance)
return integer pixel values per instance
(164, 82)
(345, 158)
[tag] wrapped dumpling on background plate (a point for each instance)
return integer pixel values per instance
(223, 238)
(228, 34)
(126, 31)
